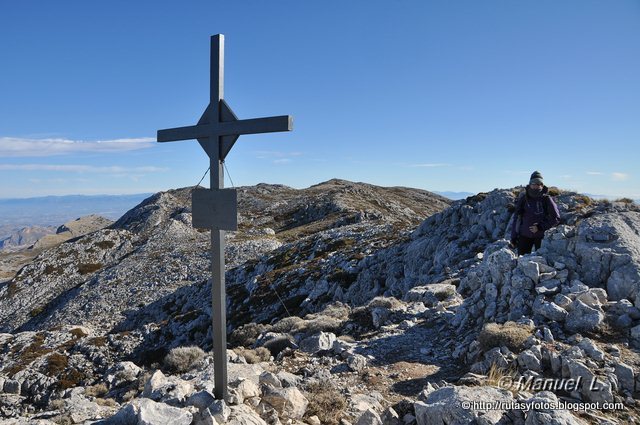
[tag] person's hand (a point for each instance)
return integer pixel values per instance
(534, 228)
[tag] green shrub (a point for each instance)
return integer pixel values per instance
(36, 311)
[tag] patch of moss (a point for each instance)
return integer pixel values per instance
(36, 311)
(105, 244)
(98, 341)
(70, 379)
(51, 269)
(12, 289)
(86, 268)
(56, 364)
(28, 355)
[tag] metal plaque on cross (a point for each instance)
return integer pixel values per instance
(214, 209)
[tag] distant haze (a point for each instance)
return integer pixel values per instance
(56, 210)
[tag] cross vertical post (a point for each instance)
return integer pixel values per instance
(216, 208)
(218, 293)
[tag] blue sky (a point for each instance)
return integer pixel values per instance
(440, 95)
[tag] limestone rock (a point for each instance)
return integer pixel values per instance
(369, 417)
(583, 318)
(152, 413)
(122, 373)
(544, 417)
(625, 375)
(288, 402)
(317, 342)
(444, 406)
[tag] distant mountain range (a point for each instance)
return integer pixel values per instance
(454, 195)
(55, 210)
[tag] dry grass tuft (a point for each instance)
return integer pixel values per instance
(583, 199)
(501, 378)
(510, 334)
(385, 302)
(78, 333)
(326, 402)
(107, 402)
(97, 390)
(56, 404)
(56, 363)
(625, 200)
(254, 356)
(553, 191)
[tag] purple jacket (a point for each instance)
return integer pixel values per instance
(529, 211)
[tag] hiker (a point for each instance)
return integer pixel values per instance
(535, 212)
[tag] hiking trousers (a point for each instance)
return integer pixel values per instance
(526, 244)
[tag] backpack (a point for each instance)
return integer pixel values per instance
(520, 203)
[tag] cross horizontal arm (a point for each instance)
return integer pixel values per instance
(256, 125)
(251, 126)
(183, 133)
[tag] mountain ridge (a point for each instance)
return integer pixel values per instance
(394, 297)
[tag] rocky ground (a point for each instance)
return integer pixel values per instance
(347, 303)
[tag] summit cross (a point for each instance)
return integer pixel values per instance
(216, 208)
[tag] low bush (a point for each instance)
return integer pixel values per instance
(246, 335)
(510, 334)
(258, 355)
(625, 200)
(183, 359)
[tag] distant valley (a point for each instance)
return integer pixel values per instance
(16, 214)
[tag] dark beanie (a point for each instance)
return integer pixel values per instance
(536, 177)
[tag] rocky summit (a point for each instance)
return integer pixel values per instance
(347, 303)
